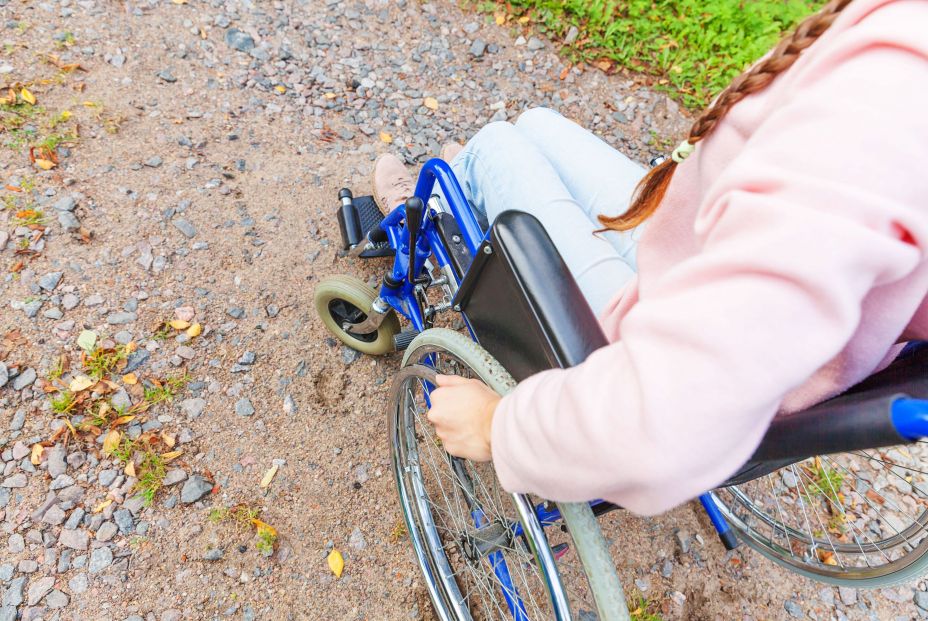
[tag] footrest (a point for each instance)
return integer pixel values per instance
(370, 216)
(356, 218)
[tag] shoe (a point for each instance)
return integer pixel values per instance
(449, 151)
(391, 182)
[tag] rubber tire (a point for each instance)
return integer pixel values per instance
(600, 569)
(360, 295)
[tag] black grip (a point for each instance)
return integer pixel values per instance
(349, 221)
(414, 209)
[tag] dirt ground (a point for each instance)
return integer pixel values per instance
(183, 132)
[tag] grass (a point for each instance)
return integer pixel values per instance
(248, 516)
(166, 391)
(100, 362)
(640, 608)
(691, 48)
(823, 481)
(28, 217)
(151, 476)
(63, 403)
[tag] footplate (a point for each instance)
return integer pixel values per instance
(357, 217)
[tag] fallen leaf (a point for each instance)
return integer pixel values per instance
(194, 330)
(87, 340)
(103, 505)
(500, 19)
(81, 382)
(44, 164)
(280, 88)
(168, 439)
(36, 457)
(27, 96)
(130, 469)
(827, 557)
(111, 441)
(166, 457)
(261, 525)
(336, 562)
(130, 379)
(523, 20)
(386, 138)
(179, 324)
(269, 476)
(431, 103)
(179, 1)
(122, 420)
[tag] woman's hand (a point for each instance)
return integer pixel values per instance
(462, 412)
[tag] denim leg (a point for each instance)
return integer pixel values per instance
(501, 169)
(599, 178)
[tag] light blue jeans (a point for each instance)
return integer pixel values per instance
(565, 176)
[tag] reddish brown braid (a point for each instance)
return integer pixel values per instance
(651, 189)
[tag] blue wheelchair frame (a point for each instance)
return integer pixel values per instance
(909, 416)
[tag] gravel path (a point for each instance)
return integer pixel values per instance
(213, 137)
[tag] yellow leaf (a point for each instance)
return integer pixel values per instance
(280, 88)
(431, 103)
(263, 526)
(81, 382)
(179, 324)
(130, 469)
(37, 450)
(500, 19)
(111, 441)
(336, 562)
(122, 420)
(65, 115)
(103, 505)
(27, 96)
(168, 439)
(269, 476)
(386, 138)
(179, 1)
(166, 457)
(44, 164)
(524, 19)
(194, 330)
(130, 378)
(330, 95)
(131, 346)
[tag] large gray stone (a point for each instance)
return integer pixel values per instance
(39, 589)
(75, 539)
(194, 489)
(13, 596)
(68, 221)
(239, 40)
(100, 559)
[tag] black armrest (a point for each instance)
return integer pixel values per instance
(522, 302)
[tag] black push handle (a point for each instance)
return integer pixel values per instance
(414, 211)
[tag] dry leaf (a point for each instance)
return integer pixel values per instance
(36, 457)
(269, 476)
(111, 441)
(194, 330)
(179, 324)
(500, 19)
(431, 103)
(166, 457)
(263, 526)
(336, 562)
(130, 469)
(44, 164)
(103, 505)
(386, 138)
(122, 420)
(179, 1)
(130, 378)
(168, 439)
(81, 382)
(27, 96)
(131, 346)
(280, 88)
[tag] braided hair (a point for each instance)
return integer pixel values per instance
(652, 187)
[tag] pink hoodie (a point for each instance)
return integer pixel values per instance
(785, 264)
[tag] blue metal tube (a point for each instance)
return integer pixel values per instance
(726, 534)
(910, 418)
(438, 170)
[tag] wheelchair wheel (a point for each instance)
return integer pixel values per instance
(482, 551)
(345, 299)
(856, 519)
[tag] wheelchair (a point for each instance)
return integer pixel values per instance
(835, 493)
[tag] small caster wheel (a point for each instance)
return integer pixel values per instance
(345, 299)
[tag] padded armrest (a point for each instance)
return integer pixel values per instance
(522, 302)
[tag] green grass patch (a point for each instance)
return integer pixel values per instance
(167, 390)
(151, 476)
(63, 403)
(100, 362)
(640, 608)
(691, 49)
